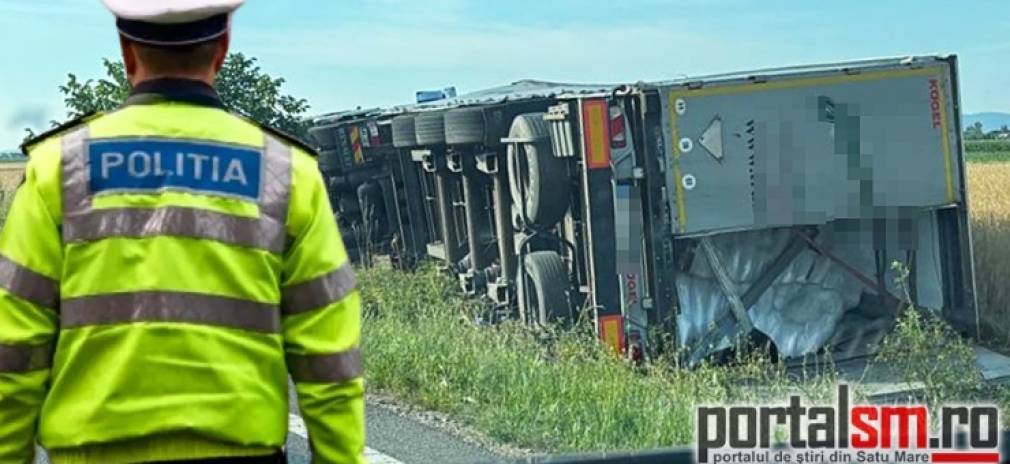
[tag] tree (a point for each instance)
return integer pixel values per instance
(974, 131)
(248, 90)
(92, 96)
(243, 86)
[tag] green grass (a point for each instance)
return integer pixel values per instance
(563, 392)
(987, 145)
(573, 396)
(988, 156)
(987, 151)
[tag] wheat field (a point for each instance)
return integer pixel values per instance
(989, 194)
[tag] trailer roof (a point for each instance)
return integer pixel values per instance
(530, 88)
(519, 90)
(838, 66)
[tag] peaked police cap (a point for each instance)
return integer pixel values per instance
(172, 23)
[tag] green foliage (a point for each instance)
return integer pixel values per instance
(102, 95)
(568, 394)
(245, 88)
(974, 131)
(987, 145)
(927, 352)
(987, 151)
(988, 156)
(242, 84)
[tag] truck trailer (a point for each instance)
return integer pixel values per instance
(802, 207)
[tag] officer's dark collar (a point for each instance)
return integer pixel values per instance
(174, 89)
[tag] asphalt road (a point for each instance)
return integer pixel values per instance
(413, 442)
(394, 439)
(391, 439)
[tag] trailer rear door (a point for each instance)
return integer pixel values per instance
(809, 147)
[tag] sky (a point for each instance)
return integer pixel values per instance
(341, 54)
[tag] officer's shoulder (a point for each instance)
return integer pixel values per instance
(59, 130)
(290, 139)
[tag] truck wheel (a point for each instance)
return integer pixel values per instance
(537, 243)
(403, 132)
(464, 126)
(536, 174)
(544, 298)
(430, 128)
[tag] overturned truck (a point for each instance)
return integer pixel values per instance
(683, 214)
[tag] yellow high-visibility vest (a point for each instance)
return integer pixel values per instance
(163, 269)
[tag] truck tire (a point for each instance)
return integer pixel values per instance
(536, 174)
(464, 126)
(430, 128)
(544, 299)
(403, 132)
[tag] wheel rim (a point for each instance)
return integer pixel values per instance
(520, 165)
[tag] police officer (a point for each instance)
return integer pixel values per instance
(165, 267)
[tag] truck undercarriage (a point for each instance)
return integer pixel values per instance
(801, 206)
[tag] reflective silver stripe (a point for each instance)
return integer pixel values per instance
(185, 222)
(326, 368)
(276, 192)
(25, 358)
(159, 306)
(319, 292)
(27, 284)
(82, 223)
(74, 162)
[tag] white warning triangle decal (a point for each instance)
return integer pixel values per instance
(711, 139)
